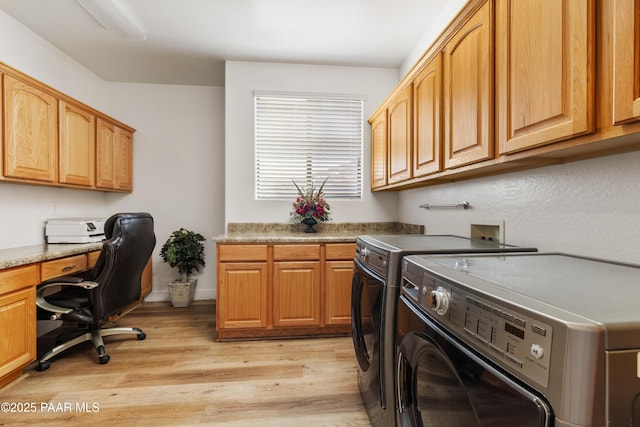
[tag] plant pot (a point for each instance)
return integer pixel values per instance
(182, 293)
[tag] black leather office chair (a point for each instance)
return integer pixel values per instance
(113, 285)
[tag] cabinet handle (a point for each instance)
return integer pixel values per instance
(69, 267)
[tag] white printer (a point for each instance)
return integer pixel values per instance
(74, 230)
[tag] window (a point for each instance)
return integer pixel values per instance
(307, 139)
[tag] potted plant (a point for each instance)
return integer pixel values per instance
(184, 250)
(310, 207)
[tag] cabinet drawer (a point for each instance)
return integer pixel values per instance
(296, 252)
(341, 251)
(16, 278)
(242, 252)
(63, 266)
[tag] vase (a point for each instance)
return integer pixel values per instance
(309, 222)
(182, 293)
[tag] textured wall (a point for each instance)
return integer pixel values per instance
(590, 207)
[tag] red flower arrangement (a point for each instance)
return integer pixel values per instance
(310, 205)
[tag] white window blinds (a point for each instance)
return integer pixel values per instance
(307, 139)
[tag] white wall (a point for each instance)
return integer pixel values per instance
(242, 79)
(178, 156)
(178, 168)
(434, 27)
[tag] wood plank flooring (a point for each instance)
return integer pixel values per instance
(181, 376)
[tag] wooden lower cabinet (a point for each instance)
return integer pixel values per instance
(283, 290)
(242, 295)
(17, 320)
(338, 277)
(296, 293)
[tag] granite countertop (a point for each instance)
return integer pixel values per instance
(345, 232)
(14, 257)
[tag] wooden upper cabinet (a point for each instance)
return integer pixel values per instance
(124, 160)
(379, 150)
(77, 145)
(427, 107)
(114, 156)
(545, 71)
(30, 132)
(468, 92)
(626, 61)
(400, 135)
(105, 154)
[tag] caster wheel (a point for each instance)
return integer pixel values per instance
(141, 336)
(43, 366)
(104, 359)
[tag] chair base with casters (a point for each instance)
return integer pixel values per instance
(95, 336)
(94, 333)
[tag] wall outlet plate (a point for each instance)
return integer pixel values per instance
(487, 230)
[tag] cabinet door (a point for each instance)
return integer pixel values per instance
(124, 160)
(626, 61)
(296, 294)
(427, 107)
(544, 71)
(77, 145)
(30, 135)
(468, 92)
(17, 320)
(338, 276)
(379, 146)
(105, 154)
(242, 295)
(114, 156)
(400, 131)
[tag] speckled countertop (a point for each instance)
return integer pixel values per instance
(13, 257)
(344, 232)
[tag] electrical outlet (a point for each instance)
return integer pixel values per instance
(488, 230)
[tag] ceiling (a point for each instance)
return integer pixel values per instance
(187, 41)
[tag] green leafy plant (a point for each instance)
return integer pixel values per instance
(184, 250)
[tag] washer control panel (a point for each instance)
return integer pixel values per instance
(518, 342)
(376, 260)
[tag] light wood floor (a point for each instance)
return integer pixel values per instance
(181, 376)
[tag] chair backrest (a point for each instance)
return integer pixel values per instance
(118, 270)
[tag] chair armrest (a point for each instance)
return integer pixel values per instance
(45, 305)
(63, 280)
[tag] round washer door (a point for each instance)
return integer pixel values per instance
(432, 391)
(440, 382)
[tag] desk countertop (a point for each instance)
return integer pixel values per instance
(14, 257)
(326, 232)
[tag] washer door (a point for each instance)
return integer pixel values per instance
(432, 392)
(441, 382)
(366, 306)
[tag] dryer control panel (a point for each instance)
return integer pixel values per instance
(519, 343)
